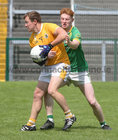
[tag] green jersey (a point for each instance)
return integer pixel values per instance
(76, 56)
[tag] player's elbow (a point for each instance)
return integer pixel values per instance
(61, 32)
(63, 35)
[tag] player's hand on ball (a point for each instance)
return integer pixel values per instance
(45, 51)
(51, 54)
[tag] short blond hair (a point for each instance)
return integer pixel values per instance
(33, 15)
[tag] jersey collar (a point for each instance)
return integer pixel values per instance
(70, 29)
(41, 28)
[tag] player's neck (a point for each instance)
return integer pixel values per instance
(68, 29)
(38, 28)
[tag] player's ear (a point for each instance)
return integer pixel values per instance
(35, 21)
(72, 19)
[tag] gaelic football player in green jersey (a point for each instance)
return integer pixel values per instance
(79, 74)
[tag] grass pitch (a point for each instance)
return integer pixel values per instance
(15, 106)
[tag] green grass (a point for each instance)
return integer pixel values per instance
(15, 105)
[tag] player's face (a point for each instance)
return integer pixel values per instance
(66, 21)
(29, 24)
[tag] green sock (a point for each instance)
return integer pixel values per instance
(50, 117)
(102, 123)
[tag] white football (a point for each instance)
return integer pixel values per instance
(35, 54)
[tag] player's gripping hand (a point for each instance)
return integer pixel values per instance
(45, 51)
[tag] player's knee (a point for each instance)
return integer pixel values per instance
(38, 93)
(92, 103)
(51, 91)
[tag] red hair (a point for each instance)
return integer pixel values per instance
(67, 11)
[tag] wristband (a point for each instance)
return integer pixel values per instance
(50, 45)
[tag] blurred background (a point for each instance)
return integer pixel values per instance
(97, 20)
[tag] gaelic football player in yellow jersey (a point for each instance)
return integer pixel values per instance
(46, 36)
(49, 36)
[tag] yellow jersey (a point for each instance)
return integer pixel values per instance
(44, 37)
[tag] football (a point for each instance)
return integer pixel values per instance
(35, 54)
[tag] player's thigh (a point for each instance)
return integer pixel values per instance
(88, 91)
(58, 76)
(41, 88)
(55, 83)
